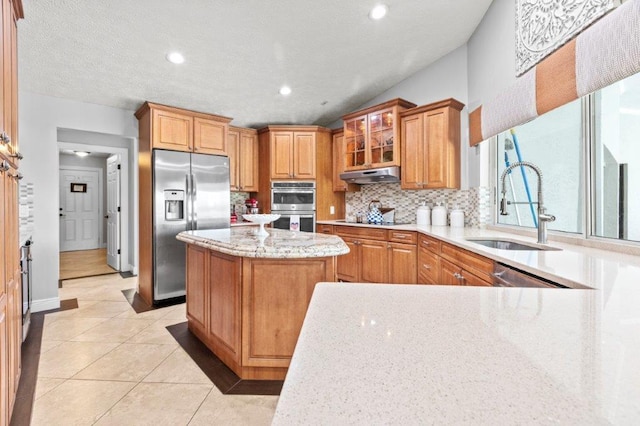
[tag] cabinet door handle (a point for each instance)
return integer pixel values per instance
(426, 243)
(426, 266)
(399, 236)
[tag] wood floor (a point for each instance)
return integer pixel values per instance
(84, 263)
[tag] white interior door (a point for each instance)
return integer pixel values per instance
(113, 212)
(79, 209)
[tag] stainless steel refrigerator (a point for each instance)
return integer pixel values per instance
(191, 191)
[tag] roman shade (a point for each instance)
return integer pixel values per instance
(606, 52)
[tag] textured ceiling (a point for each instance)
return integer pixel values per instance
(238, 53)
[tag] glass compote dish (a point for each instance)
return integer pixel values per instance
(261, 219)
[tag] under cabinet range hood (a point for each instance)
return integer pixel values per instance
(382, 175)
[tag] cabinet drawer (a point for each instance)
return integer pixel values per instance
(428, 267)
(478, 265)
(324, 229)
(429, 243)
(406, 237)
(472, 280)
(358, 232)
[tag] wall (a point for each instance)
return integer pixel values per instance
(73, 160)
(40, 117)
(491, 54)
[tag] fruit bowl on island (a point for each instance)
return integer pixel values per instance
(261, 219)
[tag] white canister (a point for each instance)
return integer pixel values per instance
(456, 218)
(423, 214)
(439, 215)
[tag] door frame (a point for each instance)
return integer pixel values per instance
(100, 170)
(125, 175)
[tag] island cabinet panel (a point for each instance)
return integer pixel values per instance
(276, 295)
(196, 282)
(172, 131)
(225, 298)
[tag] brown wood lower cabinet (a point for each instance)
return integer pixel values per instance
(462, 267)
(377, 255)
(4, 365)
(249, 311)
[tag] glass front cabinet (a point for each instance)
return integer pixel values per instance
(372, 136)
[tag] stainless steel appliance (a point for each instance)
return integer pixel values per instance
(307, 220)
(507, 276)
(294, 198)
(25, 267)
(381, 175)
(191, 191)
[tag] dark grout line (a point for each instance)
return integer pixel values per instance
(222, 377)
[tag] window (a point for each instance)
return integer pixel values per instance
(601, 200)
(615, 161)
(553, 142)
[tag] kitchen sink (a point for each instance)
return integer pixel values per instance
(509, 245)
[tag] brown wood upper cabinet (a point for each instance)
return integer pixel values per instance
(179, 129)
(293, 154)
(338, 163)
(242, 149)
(431, 145)
(372, 136)
(11, 13)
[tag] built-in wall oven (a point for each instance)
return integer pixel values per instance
(294, 200)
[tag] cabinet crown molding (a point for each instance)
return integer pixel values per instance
(453, 103)
(389, 104)
(293, 128)
(150, 105)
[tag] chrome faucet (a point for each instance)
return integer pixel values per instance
(543, 217)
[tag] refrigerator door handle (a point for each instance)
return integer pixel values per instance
(194, 195)
(187, 206)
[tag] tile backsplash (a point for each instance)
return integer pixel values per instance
(475, 202)
(25, 213)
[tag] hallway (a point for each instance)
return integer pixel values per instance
(84, 263)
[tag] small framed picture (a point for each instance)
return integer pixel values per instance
(78, 187)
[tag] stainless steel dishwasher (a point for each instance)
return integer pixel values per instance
(507, 276)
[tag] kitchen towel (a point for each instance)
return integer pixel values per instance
(294, 222)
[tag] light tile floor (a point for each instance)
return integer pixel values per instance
(104, 364)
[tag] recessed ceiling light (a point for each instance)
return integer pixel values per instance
(378, 12)
(285, 90)
(81, 153)
(175, 58)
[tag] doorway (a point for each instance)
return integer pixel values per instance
(87, 249)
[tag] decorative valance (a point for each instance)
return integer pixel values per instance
(606, 52)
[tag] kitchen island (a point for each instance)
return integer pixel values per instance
(247, 295)
(407, 354)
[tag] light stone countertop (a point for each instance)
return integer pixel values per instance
(408, 354)
(242, 241)
(573, 266)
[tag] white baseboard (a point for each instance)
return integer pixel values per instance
(45, 304)
(133, 269)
